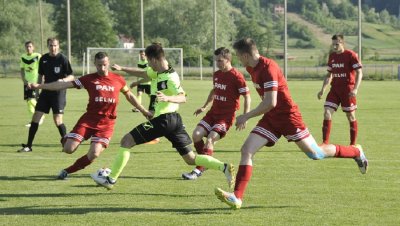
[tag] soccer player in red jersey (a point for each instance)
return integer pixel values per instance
(97, 123)
(228, 85)
(280, 116)
(344, 75)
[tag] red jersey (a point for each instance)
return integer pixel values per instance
(267, 76)
(343, 67)
(228, 86)
(103, 96)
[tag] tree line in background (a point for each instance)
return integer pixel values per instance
(186, 24)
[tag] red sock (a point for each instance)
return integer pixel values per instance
(353, 132)
(79, 164)
(242, 179)
(346, 151)
(205, 151)
(326, 131)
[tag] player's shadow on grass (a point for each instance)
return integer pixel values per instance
(36, 146)
(30, 178)
(41, 210)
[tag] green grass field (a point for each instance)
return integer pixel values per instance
(286, 188)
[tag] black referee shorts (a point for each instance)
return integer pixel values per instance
(145, 88)
(53, 100)
(30, 93)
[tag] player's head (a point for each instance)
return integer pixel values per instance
(338, 42)
(245, 49)
(53, 45)
(142, 55)
(223, 58)
(102, 63)
(29, 47)
(154, 53)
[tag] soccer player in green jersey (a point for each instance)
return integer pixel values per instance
(29, 64)
(166, 122)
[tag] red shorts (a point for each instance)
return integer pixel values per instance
(289, 125)
(217, 123)
(100, 132)
(335, 98)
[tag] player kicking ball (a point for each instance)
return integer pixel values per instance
(97, 123)
(166, 122)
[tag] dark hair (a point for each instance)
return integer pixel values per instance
(52, 40)
(245, 45)
(338, 37)
(224, 52)
(141, 51)
(155, 51)
(100, 55)
(28, 42)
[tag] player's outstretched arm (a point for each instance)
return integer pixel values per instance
(131, 71)
(59, 85)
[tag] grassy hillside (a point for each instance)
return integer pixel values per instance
(381, 43)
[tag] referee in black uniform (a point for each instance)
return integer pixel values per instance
(53, 66)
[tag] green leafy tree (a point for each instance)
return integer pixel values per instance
(20, 22)
(91, 26)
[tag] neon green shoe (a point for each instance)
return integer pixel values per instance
(228, 198)
(229, 172)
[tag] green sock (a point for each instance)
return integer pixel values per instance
(209, 162)
(31, 106)
(119, 162)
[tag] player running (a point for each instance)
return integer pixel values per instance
(344, 75)
(280, 116)
(97, 123)
(228, 85)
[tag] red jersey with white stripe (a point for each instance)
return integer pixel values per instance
(343, 67)
(103, 96)
(228, 86)
(267, 76)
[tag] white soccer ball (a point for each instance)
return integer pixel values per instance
(103, 172)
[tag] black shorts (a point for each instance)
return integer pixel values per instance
(144, 88)
(30, 93)
(55, 100)
(168, 125)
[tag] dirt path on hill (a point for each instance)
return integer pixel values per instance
(320, 35)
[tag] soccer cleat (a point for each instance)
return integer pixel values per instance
(361, 161)
(228, 198)
(103, 181)
(62, 175)
(25, 148)
(229, 172)
(192, 175)
(28, 125)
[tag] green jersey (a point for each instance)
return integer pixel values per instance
(30, 65)
(169, 84)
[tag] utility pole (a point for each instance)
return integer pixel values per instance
(215, 29)
(69, 30)
(359, 30)
(41, 26)
(285, 52)
(141, 23)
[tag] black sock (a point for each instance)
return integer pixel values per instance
(32, 132)
(62, 130)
